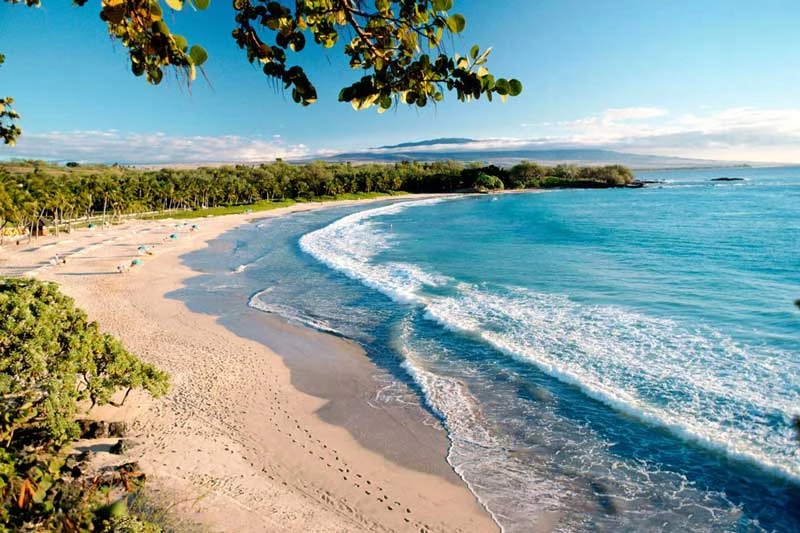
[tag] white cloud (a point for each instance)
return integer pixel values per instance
(734, 134)
(156, 148)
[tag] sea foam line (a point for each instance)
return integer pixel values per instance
(348, 244)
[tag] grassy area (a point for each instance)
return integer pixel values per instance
(16, 168)
(358, 196)
(264, 205)
(261, 205)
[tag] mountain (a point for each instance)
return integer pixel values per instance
(429, 142)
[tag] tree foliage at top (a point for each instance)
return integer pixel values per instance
(9, 131)
(399, 45)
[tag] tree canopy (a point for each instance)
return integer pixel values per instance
(34, 194)
(399, 45)
(52, 358)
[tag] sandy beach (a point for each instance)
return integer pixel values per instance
(252, 438)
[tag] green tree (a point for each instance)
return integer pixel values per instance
(488, 182)
(399, 45)
(9, 131)
(52, 357)
(526, 174)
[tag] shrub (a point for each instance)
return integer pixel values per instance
(51, 358)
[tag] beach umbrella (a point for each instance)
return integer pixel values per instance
(136, 262)
(173, 236)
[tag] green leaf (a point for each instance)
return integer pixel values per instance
(442, 5)
(473, 53)
(155, 75)
(201, 4)
(177, 5)
(456, 23)
(180, 42)
(502, 87)
(514, 87)
(198, 55)
(297, 42)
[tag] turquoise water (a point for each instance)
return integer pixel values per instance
(624, 360)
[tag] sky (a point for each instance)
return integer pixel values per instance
(711, 79)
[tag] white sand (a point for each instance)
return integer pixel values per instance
(238, 446)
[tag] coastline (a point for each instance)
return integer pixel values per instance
(248, 439)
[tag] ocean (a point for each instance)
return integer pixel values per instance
(618, 360)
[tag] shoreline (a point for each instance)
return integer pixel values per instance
(249, 439)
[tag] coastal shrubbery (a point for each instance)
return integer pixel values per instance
(488, 182)
(53, 362)
(35, 195)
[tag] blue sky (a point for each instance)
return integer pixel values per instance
(703, 78)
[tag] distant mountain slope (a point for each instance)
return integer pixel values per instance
(460, 149)
(429, 142)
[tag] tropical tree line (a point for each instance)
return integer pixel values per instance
(34, 194)
(54, 363)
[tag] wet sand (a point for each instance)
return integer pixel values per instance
(268, 426)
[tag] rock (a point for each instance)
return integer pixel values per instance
(117, 429)
(72, 466)
(119, 448)
(86, 456)
(724, 178)
(93, 429)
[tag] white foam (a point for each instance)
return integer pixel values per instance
(557, 470)
(348, 244)
(694, 381)
(289, 313)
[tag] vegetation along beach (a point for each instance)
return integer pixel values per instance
(330, 265)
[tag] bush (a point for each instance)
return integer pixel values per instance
(485, 181)
(51, 358)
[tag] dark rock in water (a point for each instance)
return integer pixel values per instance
(117, 429)
(727, 179)
(534, 393)
(93, 429)
(604, 499)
